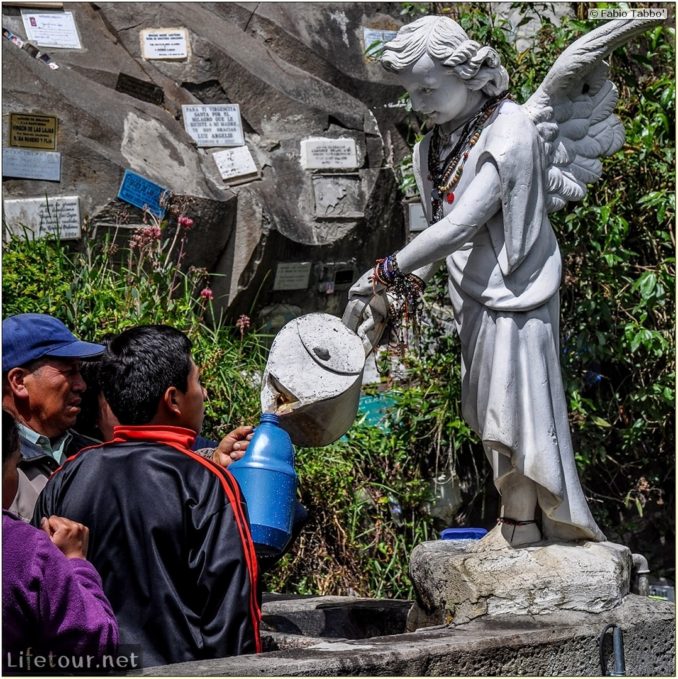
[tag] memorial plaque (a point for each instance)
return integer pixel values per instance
(235, 163)
(292, 276)
(26, 164)
(318, 153)
(416, 219)
(214, 124)
(136, 190)
(139, 89)
(33, 131)
(338, 196)
(51, 29)
(375, 38)
(43, 216)
(164, 43)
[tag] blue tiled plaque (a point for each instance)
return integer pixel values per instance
(142, 193)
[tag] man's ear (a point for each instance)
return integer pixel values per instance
(16, 382)
(171, 400)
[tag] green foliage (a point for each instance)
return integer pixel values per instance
(106, 287)
(364, 495)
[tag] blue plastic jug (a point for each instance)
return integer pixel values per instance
(269, 483)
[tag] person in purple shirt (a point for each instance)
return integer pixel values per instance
(52, 601)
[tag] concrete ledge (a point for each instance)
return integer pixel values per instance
(558, 644)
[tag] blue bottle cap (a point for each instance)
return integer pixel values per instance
(463, 533)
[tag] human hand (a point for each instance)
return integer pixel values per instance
(70, 537)
(233, 446)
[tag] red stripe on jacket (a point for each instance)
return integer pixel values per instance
(180, 439)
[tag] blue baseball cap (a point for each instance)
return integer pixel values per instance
(27, 337)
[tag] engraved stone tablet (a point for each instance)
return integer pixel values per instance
(416, 219)
(25, 164)
(214, 124)
(32, 131)
(136, 190)
(140, 89)
(43, 216)
(164, 43)
(325, 154)
(292, 276)
(235, 162)
(51, 29)
(338, 196)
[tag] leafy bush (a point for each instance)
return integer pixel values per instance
(106, 287)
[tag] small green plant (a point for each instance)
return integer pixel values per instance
(106, 287)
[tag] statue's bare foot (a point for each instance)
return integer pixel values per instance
(506, 536)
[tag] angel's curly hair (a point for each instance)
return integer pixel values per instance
(446, 41)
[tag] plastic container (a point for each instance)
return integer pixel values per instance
(269, 483)
(463, 533)
(662, 592)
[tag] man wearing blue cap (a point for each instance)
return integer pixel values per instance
(42, 387)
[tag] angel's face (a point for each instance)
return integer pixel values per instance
(436, 91)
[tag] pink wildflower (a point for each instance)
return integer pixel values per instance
(243, 323)
(144, 236)
(185, 222)
(206, 293)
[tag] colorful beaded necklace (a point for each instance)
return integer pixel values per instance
(445, 175)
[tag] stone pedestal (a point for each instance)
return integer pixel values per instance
(458, 580)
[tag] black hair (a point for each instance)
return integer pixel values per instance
(138, 367)
(10, 436)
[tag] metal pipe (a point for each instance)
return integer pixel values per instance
(619, 665)
(640, 583)
(618, 648)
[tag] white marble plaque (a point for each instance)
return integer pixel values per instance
(292, 276)
(214, 124)
(235, 162)
(164, 43)
(319, 153)
(25, 164)
(43, 216)
(51, 29)
(416, 219)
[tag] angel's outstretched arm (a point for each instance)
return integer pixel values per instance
(479, 202)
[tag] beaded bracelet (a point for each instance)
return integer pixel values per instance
(405, 296)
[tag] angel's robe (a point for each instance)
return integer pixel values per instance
(503, 285)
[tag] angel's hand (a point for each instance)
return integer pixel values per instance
(365, 286)
(367, 316)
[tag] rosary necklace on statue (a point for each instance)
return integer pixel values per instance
(446, 174)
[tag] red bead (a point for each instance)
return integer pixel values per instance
(450, 198)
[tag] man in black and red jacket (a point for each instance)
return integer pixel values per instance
(168, 528)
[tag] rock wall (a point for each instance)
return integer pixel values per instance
(296, 70)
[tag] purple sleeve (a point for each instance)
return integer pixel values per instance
(74, 612)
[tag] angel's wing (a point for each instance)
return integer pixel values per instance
(572, 110)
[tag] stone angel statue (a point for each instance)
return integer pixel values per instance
(489, 173)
